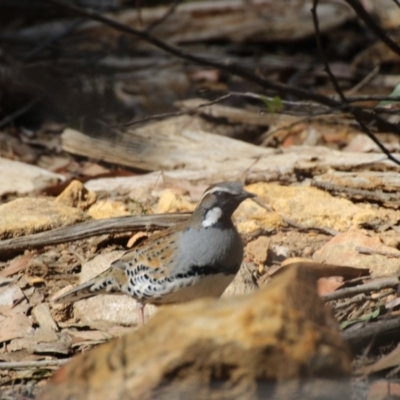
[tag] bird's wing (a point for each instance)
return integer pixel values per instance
(152, 260)
(156, 255)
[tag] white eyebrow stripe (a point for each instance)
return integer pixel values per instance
(216, 189)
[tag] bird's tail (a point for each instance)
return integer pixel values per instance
(109, 281)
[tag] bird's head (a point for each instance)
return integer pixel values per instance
(219, 201)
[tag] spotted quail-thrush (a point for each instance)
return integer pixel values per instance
(197, 258)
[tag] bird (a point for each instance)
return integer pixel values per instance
(194, 259)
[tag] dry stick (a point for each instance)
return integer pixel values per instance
(33, 364)
(370, 331)
(9, 118)
(375, 28)
(173, 6)
(264, 98)
(52, 40)
(322, 53)
(375, 285)
(244, 73)
(366, 250)
(325, 111)
(293, 224)
(172, 114)
(356, 299)
(387, 111)
(363, 82)
(89, 229)
(338, 89)
(354, 99)
(370, 195)
(360, 310)
(291, 125)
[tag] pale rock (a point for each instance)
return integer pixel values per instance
(170, 202)
(76, 195)
(342, 250)
(25, 216)
(257, 249)
(108, 209)
(22, 178)
(312, 207)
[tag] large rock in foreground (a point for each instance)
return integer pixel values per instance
(277, 343)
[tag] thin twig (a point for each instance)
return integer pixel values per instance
(54, 39)
(375, 28)
(356, 299)
(11, 117)
(280, 88)
(370, 195)
(325, 110)
(366, 250)
(171, 114)
(323, 54)
(293, 224)
(363, 82)
(173, 6)
(354, 99)
(374, 285)
(295, 104)
(355, 111)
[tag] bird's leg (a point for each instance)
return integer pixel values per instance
(140, 312)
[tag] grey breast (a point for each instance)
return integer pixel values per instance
(214, 247)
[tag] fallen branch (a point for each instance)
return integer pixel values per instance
(89, 229)
(33, 364)
(375, 285)
(371, 330)
(366, 250)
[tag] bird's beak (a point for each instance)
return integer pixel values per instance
(248, 195)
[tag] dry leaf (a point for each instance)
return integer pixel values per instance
(329, 285)
(16, 265)
(137, 238)
(14, 326)
(389, 360)
(9, 294)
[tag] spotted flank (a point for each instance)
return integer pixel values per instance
(142, 286)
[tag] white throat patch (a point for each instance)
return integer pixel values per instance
(212, 217)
